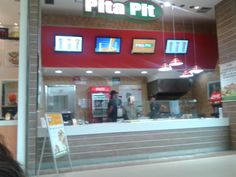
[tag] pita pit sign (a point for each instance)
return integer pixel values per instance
(140, 10)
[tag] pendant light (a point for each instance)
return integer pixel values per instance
(165, 66)
(175, 61)
(186, 73)
(196, 69)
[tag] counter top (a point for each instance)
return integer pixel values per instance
(8, 122)
(140, 125)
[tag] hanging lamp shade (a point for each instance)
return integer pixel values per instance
(196, 69)
(186, 74)
(176, 62)
(165, 67)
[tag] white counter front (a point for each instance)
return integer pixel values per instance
(142, 139)
(8, 122)
(140, 125)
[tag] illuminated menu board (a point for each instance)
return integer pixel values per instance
(143, 46)
(107, 45)
(176, 46)
(64, 43)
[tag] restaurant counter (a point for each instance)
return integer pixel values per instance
(98, 143)
(7, 122)
(137, 125)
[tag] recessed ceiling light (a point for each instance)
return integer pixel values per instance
(15, 24)
(167, 4)
(144, 72)
(58, 71)
(89, 72)
(196, 7)
(117, 72)
(0, 23)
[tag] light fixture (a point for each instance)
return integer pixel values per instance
(186, 74)
(196, 7)
(167, 4)
(175, 61)
(58, 71)
(89, 72)
(117, 72)
(15, 24)
(144, 72)
(0, 23)
(196, 69)
(165, 66)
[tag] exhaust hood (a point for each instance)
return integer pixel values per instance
(169, 89)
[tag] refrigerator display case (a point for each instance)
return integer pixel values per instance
(99, 98)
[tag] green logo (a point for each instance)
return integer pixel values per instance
(143, 10)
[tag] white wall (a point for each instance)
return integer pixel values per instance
(8, 71)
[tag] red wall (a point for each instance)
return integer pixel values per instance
(206, 49)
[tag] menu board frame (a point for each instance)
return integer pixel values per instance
(175, 40)
(142, 42)
(72, 44)
(112, 48)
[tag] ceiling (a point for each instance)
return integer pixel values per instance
(99, 72)
(152, 74)
(9, 12)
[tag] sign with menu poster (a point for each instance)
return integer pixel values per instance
(174, 46)
(228, 81)
(143, 46)
(57, 134)
(68, 43)
(108, 45)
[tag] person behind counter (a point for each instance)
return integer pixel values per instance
(12, 98)
(215, 101)
(131, 111)
(154, 108)
(9, 111)
(112, 106)
(8, 166)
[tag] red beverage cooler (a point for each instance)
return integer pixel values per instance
(99, 98)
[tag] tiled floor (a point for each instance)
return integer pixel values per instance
(219, 166)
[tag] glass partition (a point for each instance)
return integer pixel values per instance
(161, 109)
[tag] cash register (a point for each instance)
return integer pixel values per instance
(67, 117)
(9, 112)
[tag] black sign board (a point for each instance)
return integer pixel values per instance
(3, 32)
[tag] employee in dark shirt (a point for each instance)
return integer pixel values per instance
(112, 106)
(154, 108)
